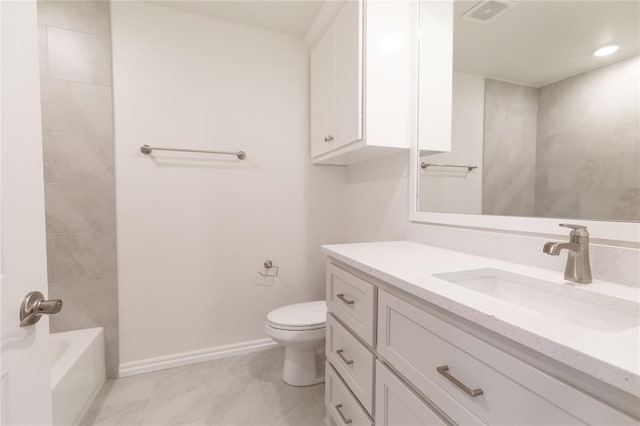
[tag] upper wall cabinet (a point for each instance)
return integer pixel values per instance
(362, 69)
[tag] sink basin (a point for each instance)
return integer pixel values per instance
(562, 302)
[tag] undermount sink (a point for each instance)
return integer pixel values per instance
(563, 302)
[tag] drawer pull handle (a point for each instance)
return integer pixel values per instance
(328, 139)
(444, 370)
(345, 420)
(345, 300)
(340, 353)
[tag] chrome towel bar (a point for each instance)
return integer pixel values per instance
(146, 149)
(424, 165)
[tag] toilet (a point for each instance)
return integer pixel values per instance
(300, 328)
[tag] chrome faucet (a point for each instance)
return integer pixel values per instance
(578, 267)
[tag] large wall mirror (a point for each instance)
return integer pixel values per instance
(529, 109)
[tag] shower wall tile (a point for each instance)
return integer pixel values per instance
(631, 170)
(78, 56)
(112, 345)
(70, 106)
(623, 204)
(83, 256)
(43, 51)
(588, 145)
(87, 16)
(508, 184)
(513, 95)
(80, 207)
(87, 304)
(78, 157)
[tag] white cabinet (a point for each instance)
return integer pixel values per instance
(455, 369)
(347, 31)
(431, 371)
(342, 407)
(323, 94)
(397, 405)
(361, 82)
(352, 301)
(352, 360)
(336, 82)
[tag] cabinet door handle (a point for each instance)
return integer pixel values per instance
(444, 370)
(345, 420)
(340, 353)
(328, 138)
(344, 299)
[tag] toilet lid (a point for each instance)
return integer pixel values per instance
(299, 315)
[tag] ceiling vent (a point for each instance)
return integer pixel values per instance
(486, 10)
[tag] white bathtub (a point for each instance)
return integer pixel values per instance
(77, 372)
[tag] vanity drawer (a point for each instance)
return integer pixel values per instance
(342, 406)
(446, 363)
(352, 300)
(396, 404)
(352, 360)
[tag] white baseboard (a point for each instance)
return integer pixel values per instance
(193, 357)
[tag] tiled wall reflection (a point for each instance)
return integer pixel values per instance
(588, 150)
(566, 149)
(77, 119)
(508, 180)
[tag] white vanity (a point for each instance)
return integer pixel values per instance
(423, 335)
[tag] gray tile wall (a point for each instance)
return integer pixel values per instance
(588, 146)
(568, 149)
(77, 119)
(508, 180)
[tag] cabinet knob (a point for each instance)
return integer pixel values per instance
(328, 138)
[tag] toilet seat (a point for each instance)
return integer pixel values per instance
(291, 328)
(299, 317)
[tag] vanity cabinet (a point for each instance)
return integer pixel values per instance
(361, 72)
(397, 405)
(404, 361)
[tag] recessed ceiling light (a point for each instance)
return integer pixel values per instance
(606, 50)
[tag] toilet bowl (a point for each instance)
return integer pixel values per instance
(300, 328)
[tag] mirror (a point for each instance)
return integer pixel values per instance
(519, 114)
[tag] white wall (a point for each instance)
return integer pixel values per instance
(194, 230)
(376, 202)
(455, 190)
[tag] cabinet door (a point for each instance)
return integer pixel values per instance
(348, 34)
(323, 94)
(396, 405)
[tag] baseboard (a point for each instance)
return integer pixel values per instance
(193, 357)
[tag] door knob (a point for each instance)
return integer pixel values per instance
(34, 306)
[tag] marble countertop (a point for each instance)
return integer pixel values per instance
(613, 357)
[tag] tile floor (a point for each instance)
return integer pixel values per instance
(243, 390)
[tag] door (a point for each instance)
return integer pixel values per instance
(25, 384)
(323, 95)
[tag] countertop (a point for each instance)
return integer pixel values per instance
(612, 357)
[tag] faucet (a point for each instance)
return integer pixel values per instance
(578, 267)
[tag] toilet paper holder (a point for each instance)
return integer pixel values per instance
(268, 265)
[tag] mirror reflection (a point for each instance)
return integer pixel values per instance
(544, 102)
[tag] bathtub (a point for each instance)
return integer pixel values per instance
(77, 372)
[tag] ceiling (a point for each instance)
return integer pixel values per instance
(289, 17)
(539, 42)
